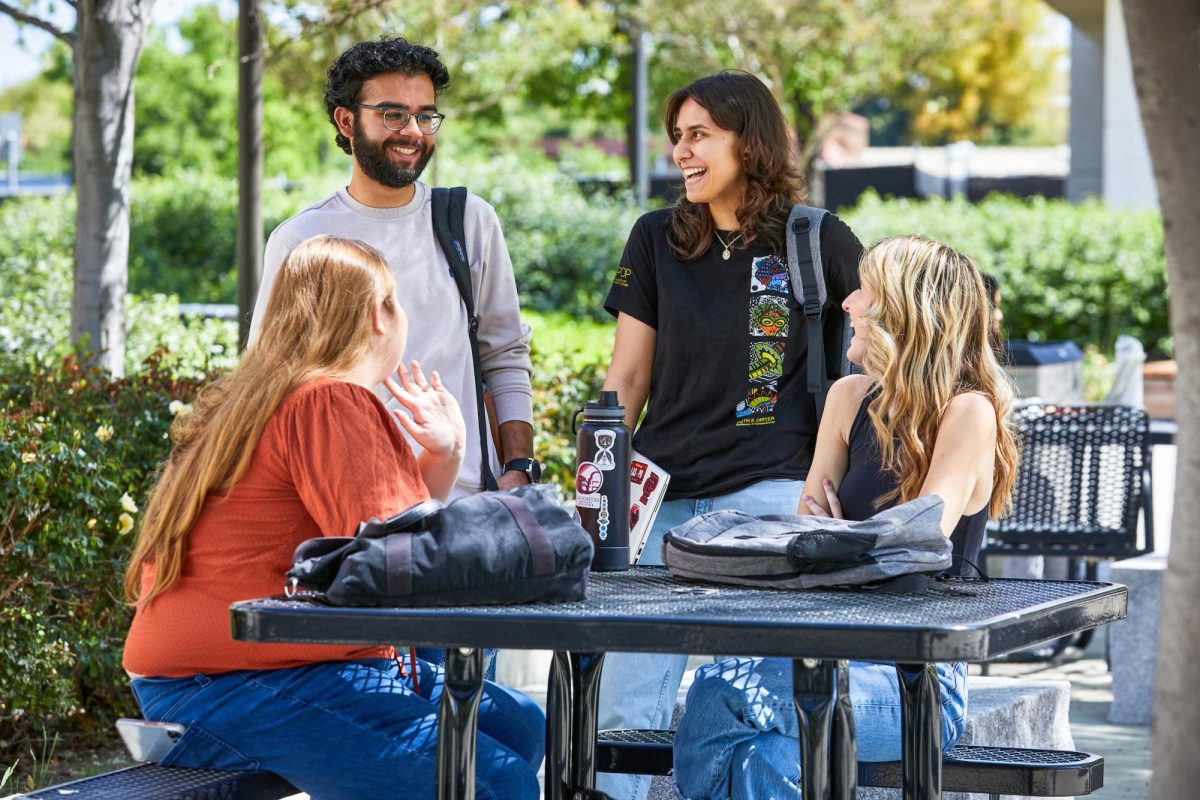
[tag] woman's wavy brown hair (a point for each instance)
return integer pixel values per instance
(927, 342)
(318, 323)
(741, 103)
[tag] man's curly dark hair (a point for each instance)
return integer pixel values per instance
(365, 60)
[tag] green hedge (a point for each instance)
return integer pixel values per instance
(78, 452)
(564, 244)
(1077, 271)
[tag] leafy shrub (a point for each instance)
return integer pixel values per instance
(570, 358)
(1077, 271)
(35, 309)
(183, 234)
(78, 452)
(564, 244)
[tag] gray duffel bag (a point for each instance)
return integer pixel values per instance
(789, 551)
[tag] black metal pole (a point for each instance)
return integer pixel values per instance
(921, 732)
(638, 160)
(843, 748)
(458, 716)
(812, 690)
(571, 710)
(250, 163)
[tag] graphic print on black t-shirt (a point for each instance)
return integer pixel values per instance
(769, 318)
(707, 360)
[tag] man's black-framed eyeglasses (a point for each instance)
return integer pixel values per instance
(394, 119)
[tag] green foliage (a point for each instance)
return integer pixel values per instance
(570, 358)
(44, 103)
(35, 309)
(1077, 271)
(78, 452)
(992, 81)
(187, 107)
(564, 244)
(183, 234)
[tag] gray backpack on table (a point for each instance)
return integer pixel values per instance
(788, 551)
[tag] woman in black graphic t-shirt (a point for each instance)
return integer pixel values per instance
(710, 334)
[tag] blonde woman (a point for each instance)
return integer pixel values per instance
(926, 417)
(294, 444)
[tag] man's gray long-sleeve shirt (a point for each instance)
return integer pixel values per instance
(437, 319)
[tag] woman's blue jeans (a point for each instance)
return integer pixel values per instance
(739, 737)
(638, 690)
(345, 729)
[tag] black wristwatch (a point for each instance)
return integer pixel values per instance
(530, 466)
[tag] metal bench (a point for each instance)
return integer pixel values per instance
(1081, 488)
(153, 782)
(994, 771)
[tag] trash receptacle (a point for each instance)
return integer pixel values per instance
(1052, 371)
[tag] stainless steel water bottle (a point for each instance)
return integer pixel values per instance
(602, 480)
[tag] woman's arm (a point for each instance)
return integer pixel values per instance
(964, 456)
(832, 456)
(629, 372)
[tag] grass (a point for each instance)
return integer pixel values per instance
(580, 341)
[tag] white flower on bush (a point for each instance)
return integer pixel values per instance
(104, 433)
(128, 504)
(28, 457)
(124, 523)
(176, 408)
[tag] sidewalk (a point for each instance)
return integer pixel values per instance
(1125, 748)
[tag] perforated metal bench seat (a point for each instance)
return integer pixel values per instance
(966, 768)
(152, 782)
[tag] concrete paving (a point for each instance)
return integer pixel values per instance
(1125, 748)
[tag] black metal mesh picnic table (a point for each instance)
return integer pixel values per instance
(645, 609)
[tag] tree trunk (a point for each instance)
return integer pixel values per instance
(108, 43)
(1164, 38)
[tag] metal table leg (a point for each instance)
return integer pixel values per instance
(812, 689)
(458, 718)
(843, 754)
(921, 726)
(571, 699)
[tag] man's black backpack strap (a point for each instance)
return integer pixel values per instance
(806, 270)
(449, 212)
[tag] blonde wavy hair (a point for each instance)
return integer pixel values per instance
(927, 342)
(318, 323)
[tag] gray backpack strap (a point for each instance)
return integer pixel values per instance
(807, 274)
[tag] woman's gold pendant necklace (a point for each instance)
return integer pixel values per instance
(725, 253)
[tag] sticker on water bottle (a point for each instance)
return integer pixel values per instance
(602, 519)
(588, 479)
(605, 439)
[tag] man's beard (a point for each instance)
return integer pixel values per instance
(373, 158)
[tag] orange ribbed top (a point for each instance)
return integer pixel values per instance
(329, 457)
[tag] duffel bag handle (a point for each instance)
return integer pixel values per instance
(408, 520)
(541, 549)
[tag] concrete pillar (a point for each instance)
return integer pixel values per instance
(1128, 175)
(1086, 135)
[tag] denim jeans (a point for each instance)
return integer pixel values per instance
(739, 737)
(437, 657)
(638, 690)
(346, 729)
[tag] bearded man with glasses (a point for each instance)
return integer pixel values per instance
(381, 97)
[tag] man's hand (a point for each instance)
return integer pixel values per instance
(512, 479)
